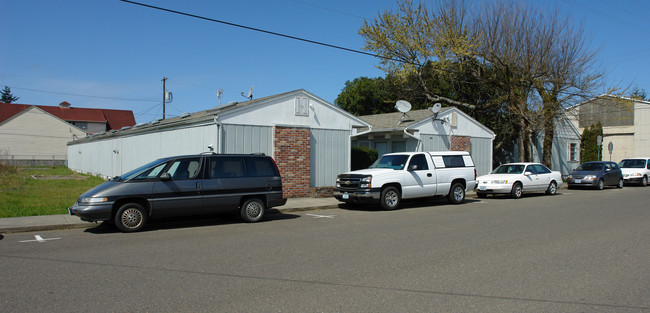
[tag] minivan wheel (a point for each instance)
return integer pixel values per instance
(516, 191)
(389, 198)
(620, 183)
(552, 188)
(130, 217)
(252, 210)
(601, 184)
(456, 194)
(644, 181)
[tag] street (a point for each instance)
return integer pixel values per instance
(578, 251)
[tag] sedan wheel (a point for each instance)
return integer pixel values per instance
(601, 185)
(620, 183)
(517, 191)
(552, 188)
(644, 181)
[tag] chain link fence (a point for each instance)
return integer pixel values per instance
(34, 160)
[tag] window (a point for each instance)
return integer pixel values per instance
(302, 106)
(453, 160)
(184, 168)
(419, 160)
(82, 125)
(260, 167)
(573, 152)
(226, 167)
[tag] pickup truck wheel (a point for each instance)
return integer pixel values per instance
(456, 194)
(390, 198)
(130, 217)
(252, 210)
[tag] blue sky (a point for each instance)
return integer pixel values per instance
(111, 54)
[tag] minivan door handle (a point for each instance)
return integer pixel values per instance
(198, 186)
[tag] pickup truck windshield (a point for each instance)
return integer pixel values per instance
(396, 162)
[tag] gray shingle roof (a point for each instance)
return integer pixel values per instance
(389, 121)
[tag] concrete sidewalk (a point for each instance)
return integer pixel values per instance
(64, 221)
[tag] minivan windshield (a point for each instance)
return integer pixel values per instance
(147, 169)
(590, 167)
(396, 162)
(632, 163)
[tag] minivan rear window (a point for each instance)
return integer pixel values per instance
(260, 167)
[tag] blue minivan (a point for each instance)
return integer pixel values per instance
(185, 185)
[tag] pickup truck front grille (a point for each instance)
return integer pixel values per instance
(349, 182)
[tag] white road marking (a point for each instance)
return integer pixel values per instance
(39, 239)
(321, 216)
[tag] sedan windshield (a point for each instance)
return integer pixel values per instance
(632, 164)
(396, 162)
(509, 169)
(590, 167)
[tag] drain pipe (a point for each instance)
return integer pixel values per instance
(418, 148)
(218, 123)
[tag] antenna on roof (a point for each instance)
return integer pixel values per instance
(404, 107)
(250, 94)
(219, 92)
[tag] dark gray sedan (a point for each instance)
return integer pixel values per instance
(596, 174)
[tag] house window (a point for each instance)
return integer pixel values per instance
(302, 106)
(82, 125)
(573, 152)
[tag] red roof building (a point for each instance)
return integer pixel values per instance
(90, 120)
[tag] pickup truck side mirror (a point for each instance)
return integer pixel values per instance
(413, 167)
(165, 177)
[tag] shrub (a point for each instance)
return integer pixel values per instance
(362, 157)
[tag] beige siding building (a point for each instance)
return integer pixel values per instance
(626, 125)
(34, 134)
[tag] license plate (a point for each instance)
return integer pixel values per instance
(577, 181)
(345, 196)
(482, 188)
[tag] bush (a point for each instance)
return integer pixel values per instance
(362, 157)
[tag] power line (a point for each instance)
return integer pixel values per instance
(256, 29)
(80, 95)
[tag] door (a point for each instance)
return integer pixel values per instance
(182, 194)
(419, 180)
(226, 183)
(532, 181)
(544, 176)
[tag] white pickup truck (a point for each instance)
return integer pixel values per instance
(408, 175)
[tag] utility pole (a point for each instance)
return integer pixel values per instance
(164, 96)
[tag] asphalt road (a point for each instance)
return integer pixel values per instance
(579, 251)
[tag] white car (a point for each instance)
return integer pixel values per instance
(517, 178)
(635, 170)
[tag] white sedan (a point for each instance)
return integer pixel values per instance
(517, 178)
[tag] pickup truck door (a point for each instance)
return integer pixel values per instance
(420, 178)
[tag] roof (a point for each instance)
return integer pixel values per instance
(206, 116)
(115, 119)
(389, 121)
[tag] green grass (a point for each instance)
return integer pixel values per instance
(54, 190)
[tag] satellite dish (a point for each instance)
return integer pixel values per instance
(436, 108)
(250, 94)
(403, 106)
(168, 96)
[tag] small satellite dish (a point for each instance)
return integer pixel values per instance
(250, 94)
(403, 106)
(436, 108)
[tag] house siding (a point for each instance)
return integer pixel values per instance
(328, 156)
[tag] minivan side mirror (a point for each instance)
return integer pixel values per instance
(165, 176)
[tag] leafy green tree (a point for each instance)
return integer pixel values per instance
(362, 157)
(589, 149)
(6, 96)
(365, 96)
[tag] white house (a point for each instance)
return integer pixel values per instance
(422, 130)
(308, 137)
